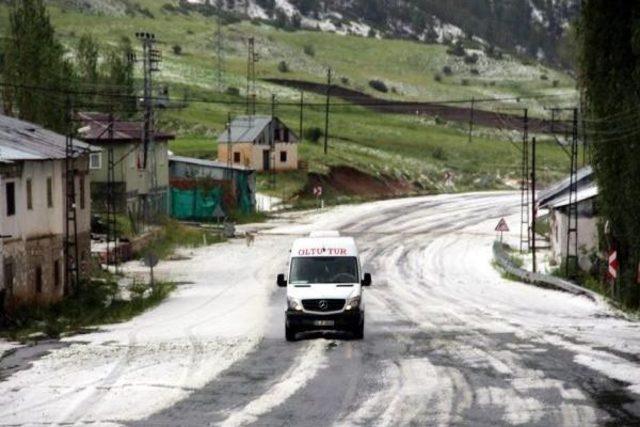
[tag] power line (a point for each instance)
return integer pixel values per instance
(376, 103)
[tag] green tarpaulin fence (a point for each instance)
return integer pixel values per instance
(244, 194)
(195, 204)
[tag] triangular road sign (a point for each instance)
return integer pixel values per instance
(502, 226)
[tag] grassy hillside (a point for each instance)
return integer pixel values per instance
(416, 149)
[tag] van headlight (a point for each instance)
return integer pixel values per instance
(353, 303)
(294, 304)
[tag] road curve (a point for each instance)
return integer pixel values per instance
(448, 341)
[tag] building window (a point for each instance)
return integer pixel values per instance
(39, 279)
(236, 157)
(29, 195)
(49, 192)
(283, 156)
(56, 273)
(10, 194)
(95, 161)
(82, 195)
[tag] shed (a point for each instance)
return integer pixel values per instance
(556, 201)
(200, 188)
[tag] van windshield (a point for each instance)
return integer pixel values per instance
(328, 270)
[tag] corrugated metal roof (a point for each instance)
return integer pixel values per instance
(20, 140)
(97, 129)
(245, 129)
(584, 193)
(584, 177)
(207, 163)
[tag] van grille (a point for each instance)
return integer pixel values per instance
(316, 305)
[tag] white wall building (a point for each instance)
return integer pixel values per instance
(556, 201)
(32, 212)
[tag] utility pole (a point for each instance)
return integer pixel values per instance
(151, 64)
(471, 119)
(572, 210)
(533, 204)
(252, 58)
(229, 144)
(71, 252)
(326, 116)
(111, 203)
(524, 197)
(301, 114)
(219, 44)
(272, 145)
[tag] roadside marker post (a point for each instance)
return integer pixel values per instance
(502, 227)
(612, 269)
(317, 192)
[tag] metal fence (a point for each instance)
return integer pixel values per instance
(538, 279)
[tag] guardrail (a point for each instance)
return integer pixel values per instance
(538, 279)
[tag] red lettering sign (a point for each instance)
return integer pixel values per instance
(322, 251)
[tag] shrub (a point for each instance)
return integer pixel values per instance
(471, 59)
(447, 70)
(544, 77)
(372, 33)
(233, 91)
(313, 134)
(438, 153)
(283, 67)
(556, 83)
(437, 77)
(475, 72)
(344, 81)
(177, 49)
(309, 50)
(379, 85)
(493, 52)
(457, 50)
(464, 82)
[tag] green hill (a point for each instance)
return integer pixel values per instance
(415, 149)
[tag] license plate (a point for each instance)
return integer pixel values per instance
(323, 323)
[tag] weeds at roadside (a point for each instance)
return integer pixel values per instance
(95, 304)
(175, 234)
(505, 274)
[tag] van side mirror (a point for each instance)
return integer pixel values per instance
(281, 281)
(367, 280)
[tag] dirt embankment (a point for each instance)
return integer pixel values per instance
(345, 180)
(445, 112)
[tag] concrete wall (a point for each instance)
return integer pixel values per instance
(587, 234)
(251, 155)
(130, 176)
(37, 242)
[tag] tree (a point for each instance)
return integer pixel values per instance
(87, 60)
(610, 78)
(34, 63)
(119, 78)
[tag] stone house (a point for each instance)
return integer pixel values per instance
(33, 190)
(261, 143)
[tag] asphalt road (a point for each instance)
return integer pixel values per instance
(448, 341)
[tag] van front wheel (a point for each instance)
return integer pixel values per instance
(358, 331)
(289, 333)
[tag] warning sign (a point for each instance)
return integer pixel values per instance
(502, 226)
